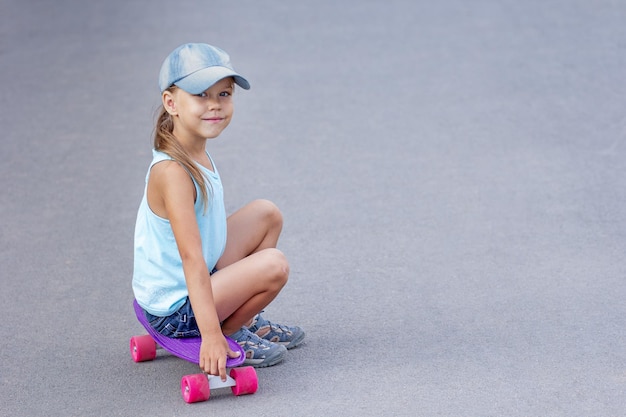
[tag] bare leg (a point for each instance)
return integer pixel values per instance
(254, 227)
(251, 272)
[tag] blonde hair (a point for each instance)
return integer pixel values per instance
(166, 142)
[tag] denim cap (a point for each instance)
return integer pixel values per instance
(194, 67)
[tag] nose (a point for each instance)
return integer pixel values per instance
(213, 103)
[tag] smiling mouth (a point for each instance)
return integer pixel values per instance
(213, 119)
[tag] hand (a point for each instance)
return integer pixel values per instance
(213, 354)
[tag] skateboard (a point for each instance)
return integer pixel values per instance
(196, 387)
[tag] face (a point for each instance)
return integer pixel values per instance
(201, 116)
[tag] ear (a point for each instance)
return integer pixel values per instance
(169, 102)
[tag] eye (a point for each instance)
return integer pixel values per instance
(225, 94)
(202, 95)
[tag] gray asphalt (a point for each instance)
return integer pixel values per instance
(451, 175)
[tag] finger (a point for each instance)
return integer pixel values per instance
(222, 364)
(215, 367)
(233, 354)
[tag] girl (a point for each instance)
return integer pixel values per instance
(197, 272)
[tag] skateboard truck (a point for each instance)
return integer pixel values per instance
(197, 387)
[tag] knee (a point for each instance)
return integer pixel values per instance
(278, 266)
(270, 213)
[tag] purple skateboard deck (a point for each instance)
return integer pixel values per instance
(186, 348)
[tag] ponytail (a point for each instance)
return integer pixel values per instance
(166, 142)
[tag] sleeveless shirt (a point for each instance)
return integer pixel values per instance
(158, 278)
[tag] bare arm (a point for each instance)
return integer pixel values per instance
(172, 193)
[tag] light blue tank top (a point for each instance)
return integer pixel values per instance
(158, 279)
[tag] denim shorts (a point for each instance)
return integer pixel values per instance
(180, 324)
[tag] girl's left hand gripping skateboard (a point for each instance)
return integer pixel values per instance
(195, 387)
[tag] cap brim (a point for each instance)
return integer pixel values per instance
(203, 79)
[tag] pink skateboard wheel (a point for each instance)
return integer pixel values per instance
(246, 381)
(195, 388)
(142, 348)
